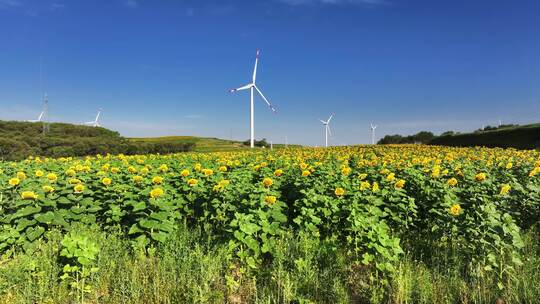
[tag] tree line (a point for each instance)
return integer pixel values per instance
(18, 140)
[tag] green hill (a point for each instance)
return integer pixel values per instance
(19, 140)
(519, 137)
(200, 144)
(203, 144)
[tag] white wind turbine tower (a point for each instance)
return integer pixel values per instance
(95, 123)
(327, 130)
(373, 127)
(252, 87)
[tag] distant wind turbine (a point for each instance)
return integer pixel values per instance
(44, 115)
(252, 87)
(40, 117)
(95, 122)
(327, 130)
(373, 127)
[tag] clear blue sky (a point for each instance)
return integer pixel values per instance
(163, 67)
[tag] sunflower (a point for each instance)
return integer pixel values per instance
(270, 199)
(346, 171)
(52, 177)
(399, 184)
(47, 189)
(184, 173)
(157, 180)
(156, 192)
(79, 188)
(452, 182)
(339, 191)
(278, 172)
(480, 177)
(14, 181)
(455, 210)
(192, 182)
(29, 195)
(106, 181)
(267, 182)
(364, 185)
(505, 189)
(305, 173)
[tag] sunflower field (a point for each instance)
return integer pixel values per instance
(378, 211)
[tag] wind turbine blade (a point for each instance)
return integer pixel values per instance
(324, 122)
(330, 118)
(329, 131)
(247, 86)
(256, 64)
(266, 100)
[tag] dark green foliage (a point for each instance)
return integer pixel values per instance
(508, 136)
(257, 143)
(422, 137)
(19, 140)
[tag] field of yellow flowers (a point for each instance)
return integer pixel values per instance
(374, 204)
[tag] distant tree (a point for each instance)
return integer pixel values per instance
(391, 139)
(257, 143)
(420, 137)
(448, 133)
(423, 137)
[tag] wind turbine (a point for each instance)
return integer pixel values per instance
(44, 115)
(95, 123)
(253, 87)
(40, 117)
(326, 129)
(373, 127)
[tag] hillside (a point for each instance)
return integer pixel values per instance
(19, 140)
(201, 144)
(519, 137)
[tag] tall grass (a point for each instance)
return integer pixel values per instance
(192, 268)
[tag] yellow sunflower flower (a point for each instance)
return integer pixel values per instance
(399, 184)
(29, 195)
(267, 182)
(192, 182)
(455, 210)
(79, 188)
(270, 199)
(505, 189)
(106, 181)
(480, 177)
(14, 181)
(339, 191)
(452, 182)
(157, 180)
(156, 192)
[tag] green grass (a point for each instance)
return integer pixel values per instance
(192, 267)
(204, 144)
